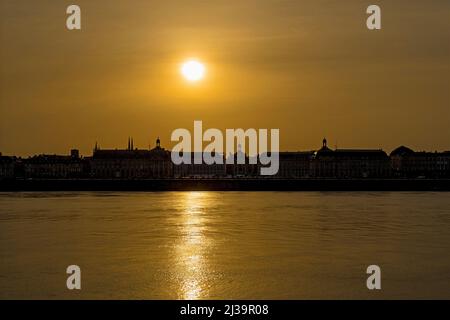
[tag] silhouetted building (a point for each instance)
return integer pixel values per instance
(411, 164)
(7, 167)
(74, 153)
(54, 166)
(131, 163)
(239, 165)
(349, 163)
(295, 164)
(200, 170)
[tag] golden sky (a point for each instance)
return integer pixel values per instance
(310, 68)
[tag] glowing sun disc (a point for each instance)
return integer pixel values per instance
(193, 70)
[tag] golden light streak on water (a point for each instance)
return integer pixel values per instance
(191, 249)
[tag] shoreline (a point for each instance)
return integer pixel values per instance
(18, 185)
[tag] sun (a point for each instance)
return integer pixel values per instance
(193, 70)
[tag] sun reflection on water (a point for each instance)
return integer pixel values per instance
(191, 250)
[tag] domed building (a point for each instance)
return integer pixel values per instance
(349, 163)
(407, 163)
(401, 151)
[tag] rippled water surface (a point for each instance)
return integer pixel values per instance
(225, 245)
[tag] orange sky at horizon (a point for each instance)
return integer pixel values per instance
(310, 68)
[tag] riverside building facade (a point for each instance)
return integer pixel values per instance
(156, 163)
